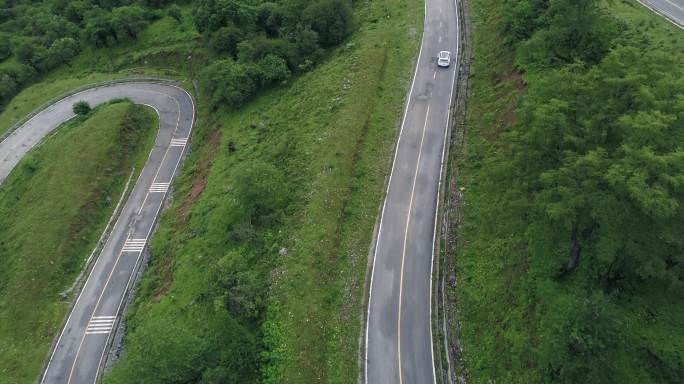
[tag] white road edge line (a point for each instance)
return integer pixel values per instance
(149, 155)
(116, 262)
(166, 152)
(662, 14)
(675, 5)
(403, 251)
(119, 256)
(192, 125)
(389, 182)
(457, 64)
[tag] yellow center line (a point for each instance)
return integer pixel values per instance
(403, 253)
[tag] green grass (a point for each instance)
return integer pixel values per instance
(498, 298)
(648, 24)
(491, 316)
(331, 133)
(162, 49)
(53, 208)
(318, 302)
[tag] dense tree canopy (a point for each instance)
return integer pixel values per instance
(594, 167)
(270, 39)
(610, 174)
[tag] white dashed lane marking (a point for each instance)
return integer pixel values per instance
(159, 187)
(134, 245)
(179, 142)
(100, 325)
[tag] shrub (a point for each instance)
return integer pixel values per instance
(175, 12)
(61, 51)
(333, 20)
(227, 82)
(225, 41)
(270, 69)
(82, 108)
(5, 48)
(570, 30)
(260, 192)
(26, 50)
(255, 49)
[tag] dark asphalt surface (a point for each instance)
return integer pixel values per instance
(671, 9)
(80, 349)
(398, 333)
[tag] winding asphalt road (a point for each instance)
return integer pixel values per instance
(80, 349)
(673, 10)
(398, 333)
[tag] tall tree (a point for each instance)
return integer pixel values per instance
(569, 30)
(600, 152)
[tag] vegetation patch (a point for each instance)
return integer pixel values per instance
(258, 265)
(267, 238)
(568, 267)
(53, 209)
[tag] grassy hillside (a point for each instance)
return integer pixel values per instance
(527, 315)
(259, 263)
(268, 285)
(53, 208)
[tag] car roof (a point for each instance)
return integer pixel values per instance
(444, 53)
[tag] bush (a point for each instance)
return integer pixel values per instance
(570, 30)
(99, 29)
(333, 20)
(306, 42)
(255, 49)
(5, 48)
(61, 51)
(12, 77)
(82, 108)
(210, 15)
(260, 192)
(27, 50)
(8, 85)
(227, 83)
(175, 12)
(128, 21)
(270, 69)
(522, 20)
(225, 41)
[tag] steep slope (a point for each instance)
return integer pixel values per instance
(54, 207)
(258, 266)
(549, 148)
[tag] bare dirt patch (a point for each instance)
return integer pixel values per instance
(200, 182)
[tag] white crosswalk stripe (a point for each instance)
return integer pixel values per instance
(100, 325)
(159, 187)
(179, 142)
(134, 245)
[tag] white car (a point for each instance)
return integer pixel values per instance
(444, 58)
